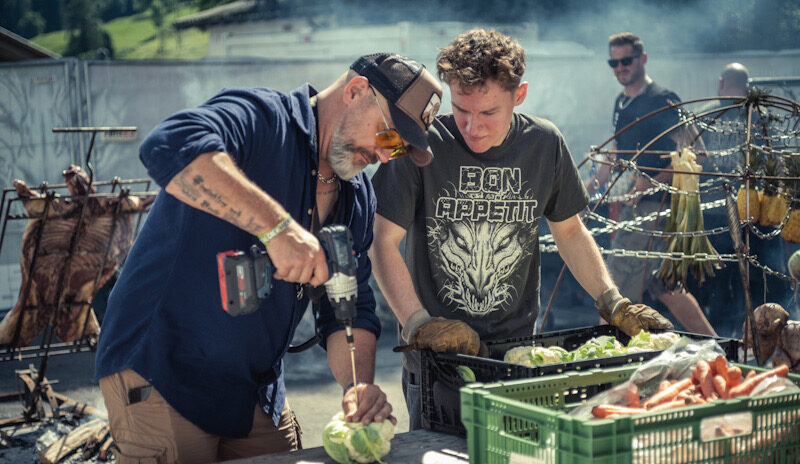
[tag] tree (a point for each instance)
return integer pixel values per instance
(31, 24)
(85, 34)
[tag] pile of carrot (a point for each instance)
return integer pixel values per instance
(709, 381)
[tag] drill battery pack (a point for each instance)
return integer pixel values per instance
(245, 279)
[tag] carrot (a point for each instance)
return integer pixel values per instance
(663, 385)
(750, 383)
(734, 376)
(706, 384)
(668, 405)
(720, 386)
(721, 367)
(603, 411)
(696, 399)
(668, 394)
(750, 375)
(632, 395)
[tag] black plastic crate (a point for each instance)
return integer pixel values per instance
(440, 382)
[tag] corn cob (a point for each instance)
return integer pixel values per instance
(686, 216)
(773, 205)
(750, 198)
(791, 230)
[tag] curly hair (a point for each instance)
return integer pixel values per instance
(479, 55)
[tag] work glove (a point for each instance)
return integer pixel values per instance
(422, 331)
(630, 318)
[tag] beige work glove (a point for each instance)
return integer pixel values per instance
(630, 318)
(422, 331)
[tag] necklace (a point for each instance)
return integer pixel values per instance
(329, 180)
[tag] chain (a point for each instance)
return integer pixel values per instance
(630, 227)
(764, 268)
(772, 234)
(674, 255)
(705, 187)
(739, 127)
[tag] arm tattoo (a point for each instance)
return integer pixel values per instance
(187, 188)
(207, 206)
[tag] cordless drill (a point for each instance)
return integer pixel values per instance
(245, 279)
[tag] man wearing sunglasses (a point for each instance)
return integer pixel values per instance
(182, 380)
(639, 97)
(470, 218)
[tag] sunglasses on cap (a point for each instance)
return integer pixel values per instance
(624, 61)
(389, 138)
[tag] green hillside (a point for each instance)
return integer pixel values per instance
(135, 38)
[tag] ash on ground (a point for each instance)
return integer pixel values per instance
(23, 443)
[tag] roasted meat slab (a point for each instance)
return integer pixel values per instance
(54, 268)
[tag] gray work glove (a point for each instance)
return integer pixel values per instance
(630, 318)
(422, 331)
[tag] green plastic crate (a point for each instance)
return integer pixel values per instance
(526, 422)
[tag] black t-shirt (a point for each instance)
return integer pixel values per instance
(629, 109)
(472, 219)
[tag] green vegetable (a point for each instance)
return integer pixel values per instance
(466, 373)
(597, 347)
(519, 355)
(352, 442)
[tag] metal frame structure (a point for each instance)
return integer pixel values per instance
(757, 101)
(35, 386)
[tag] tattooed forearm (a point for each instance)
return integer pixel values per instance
(216, 197)
(207, 207)
(186, 187)
(252, 224)
(233, 216)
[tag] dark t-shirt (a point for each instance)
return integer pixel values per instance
(627, 110)
(472, 244)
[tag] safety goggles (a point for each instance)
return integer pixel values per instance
(389, 138)
(624, 61)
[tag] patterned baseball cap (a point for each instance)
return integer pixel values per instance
(413, 94)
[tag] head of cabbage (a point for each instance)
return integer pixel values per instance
(352, 442)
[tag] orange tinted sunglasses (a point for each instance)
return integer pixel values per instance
(389, 138)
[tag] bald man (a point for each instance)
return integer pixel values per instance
(733, 82)
(723, 292)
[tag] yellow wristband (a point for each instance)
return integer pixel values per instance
(265, 238)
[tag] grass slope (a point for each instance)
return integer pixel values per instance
(135, 38)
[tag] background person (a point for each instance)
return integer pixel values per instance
(640, 96)
(722, 295)
(184, 381)
(471, 217)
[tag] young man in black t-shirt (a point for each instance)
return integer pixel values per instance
(470, 218)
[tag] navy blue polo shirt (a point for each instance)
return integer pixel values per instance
(165, 318)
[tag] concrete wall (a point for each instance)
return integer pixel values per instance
(575, 92)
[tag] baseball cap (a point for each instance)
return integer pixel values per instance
(413, 94)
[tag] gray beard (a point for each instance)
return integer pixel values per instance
(340, 157)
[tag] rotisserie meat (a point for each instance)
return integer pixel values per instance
(89, 258)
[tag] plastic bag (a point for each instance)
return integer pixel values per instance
(676, 362)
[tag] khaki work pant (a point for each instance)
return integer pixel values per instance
(151, 431)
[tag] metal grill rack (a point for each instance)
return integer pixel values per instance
(769, 124)
(36, 390)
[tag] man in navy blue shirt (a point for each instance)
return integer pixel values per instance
(183, 380)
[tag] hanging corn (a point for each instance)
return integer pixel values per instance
(685, 217)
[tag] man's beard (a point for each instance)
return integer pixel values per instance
(632, 77)
(342, 153)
